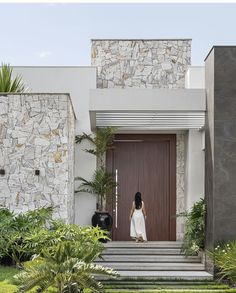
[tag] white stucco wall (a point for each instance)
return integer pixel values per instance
(194, 167)
(195, 77)
(194, 145)
(77, 81)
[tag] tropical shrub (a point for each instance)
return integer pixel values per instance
(224, 257)
(62, 266)
(194, 236)
(55, 254)
(15, 229)
(23, 235)
(8, 84)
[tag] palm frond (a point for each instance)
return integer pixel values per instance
(102, 184)
(60, 266)
(91, 151)
(8, 84)
(84, 136)
(102, 141)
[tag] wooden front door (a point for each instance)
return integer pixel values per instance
(145, 163)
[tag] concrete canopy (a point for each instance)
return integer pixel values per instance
(147, 109)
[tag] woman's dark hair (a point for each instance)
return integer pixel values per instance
(138, 200)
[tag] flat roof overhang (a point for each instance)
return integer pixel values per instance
(147, 109)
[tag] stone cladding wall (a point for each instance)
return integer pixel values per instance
(180, 186)
(141, 63)
(37, 133)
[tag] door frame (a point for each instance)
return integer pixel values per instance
(171, 138)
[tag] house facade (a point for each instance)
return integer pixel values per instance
(170, 143)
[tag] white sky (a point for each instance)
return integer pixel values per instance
(59, 34)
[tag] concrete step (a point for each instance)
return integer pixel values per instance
(143, 266)
(149, 258)
(161, 282)
(142, 251)
(152, 261)
(162, 275)
(149, 244)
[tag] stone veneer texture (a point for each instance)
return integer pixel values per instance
(141, 63)
(180, 187)
(37, 132)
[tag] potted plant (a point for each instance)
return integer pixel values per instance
(102, 183)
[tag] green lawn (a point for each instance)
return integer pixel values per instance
(7, 281)
(7, 273)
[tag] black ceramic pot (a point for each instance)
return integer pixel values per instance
(102, 220)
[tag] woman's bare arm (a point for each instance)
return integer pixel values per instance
(144, 210)
(132, 211)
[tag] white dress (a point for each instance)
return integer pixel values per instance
(137, 225)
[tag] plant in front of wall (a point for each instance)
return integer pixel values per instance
(194, 235)
(8, 83)
(102, 183)
(101, 141)
(15, 229)
(224, 257)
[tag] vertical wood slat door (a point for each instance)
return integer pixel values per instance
(145, 163)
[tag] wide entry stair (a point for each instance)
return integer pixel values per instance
(152, 260)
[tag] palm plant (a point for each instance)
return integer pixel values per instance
(8, 84)
(102, 141)
(60, 267)
(102, 184)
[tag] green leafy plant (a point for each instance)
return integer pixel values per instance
(102, 183)
(8, 84)
(194, 236)
(60, 267)
(14, 230)
(101, 142)
(224, 257)
(63, 254)
(87, 236)
(27, 234)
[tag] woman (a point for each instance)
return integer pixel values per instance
(137, 219)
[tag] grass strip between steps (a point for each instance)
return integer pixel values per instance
(161, 287)
(172, 291)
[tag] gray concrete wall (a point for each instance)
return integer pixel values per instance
(209, 148)
(221, 145)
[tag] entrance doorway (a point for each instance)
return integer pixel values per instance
(145, 163)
